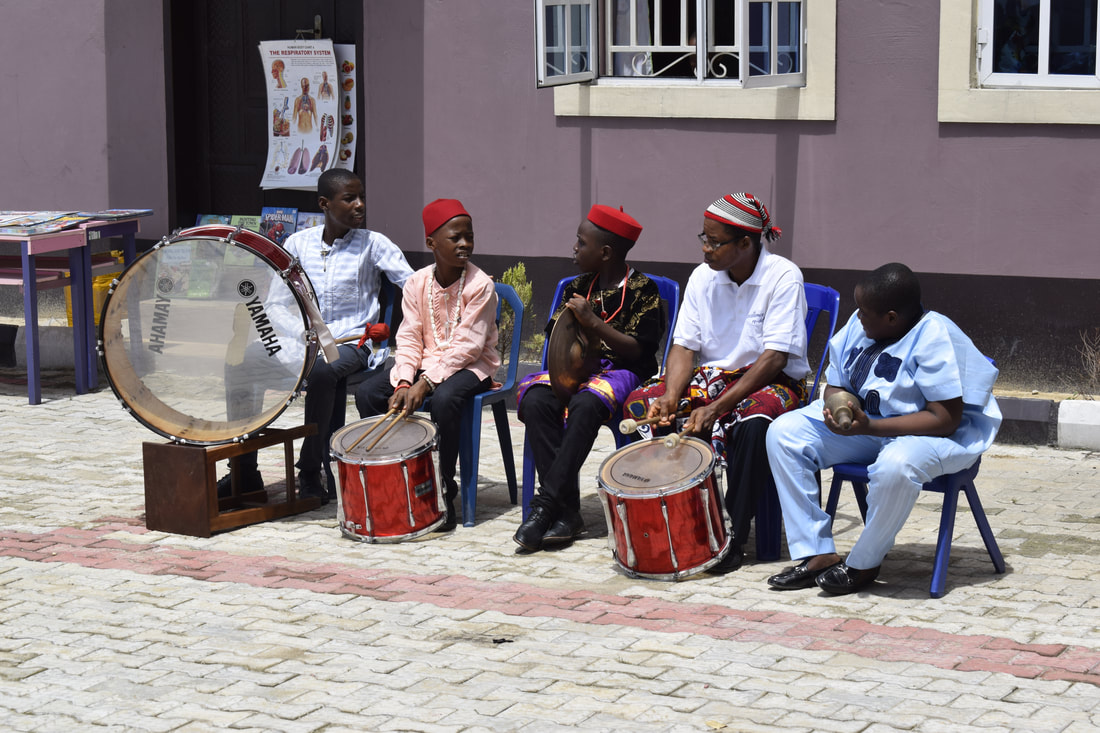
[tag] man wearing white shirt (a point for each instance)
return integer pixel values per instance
(743, 318)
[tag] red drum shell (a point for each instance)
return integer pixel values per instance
(663, 510)
(390, 492)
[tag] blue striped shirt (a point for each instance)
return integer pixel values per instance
(346, 276)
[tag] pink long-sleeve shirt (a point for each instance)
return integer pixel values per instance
(473, 342)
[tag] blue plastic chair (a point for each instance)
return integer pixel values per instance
(820, 299)
(469, 447)
(949, 485)
(669, 291)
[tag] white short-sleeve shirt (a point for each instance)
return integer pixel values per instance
(730, 325)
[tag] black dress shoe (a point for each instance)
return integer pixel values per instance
(530, 533)
(564, 530)
(249, 481)
(798, 577)
(841, 580)
(309, 486)
(731, 562)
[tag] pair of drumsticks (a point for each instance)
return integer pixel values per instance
(381, 435)
(629, 425)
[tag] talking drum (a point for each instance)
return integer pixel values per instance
(387, 485)
(208, 336)
(662, 509)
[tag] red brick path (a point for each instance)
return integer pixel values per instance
(90, 548)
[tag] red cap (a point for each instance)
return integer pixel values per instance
(441, 211)
(615, 221)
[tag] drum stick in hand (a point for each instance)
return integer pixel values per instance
(369, 430)
(629, 425)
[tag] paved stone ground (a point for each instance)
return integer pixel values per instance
(289, 626)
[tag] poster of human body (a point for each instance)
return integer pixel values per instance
(305, 103)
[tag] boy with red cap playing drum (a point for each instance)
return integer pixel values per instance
(743, 317)
(619, 309)
(447, 340)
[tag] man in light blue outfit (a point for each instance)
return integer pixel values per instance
(925, 409)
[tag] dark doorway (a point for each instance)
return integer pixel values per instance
(218, 100)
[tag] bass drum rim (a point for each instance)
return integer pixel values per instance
(154, 413)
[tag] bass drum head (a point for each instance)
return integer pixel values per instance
(204, 338)
(649, 468)
(410, 437)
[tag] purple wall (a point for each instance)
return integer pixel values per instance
(884, 182)
(84, 128)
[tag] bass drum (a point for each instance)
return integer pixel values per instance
(208, 336)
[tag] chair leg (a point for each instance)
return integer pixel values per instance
(769, 518)
(467, 461)
(943, 542)
(504, 434)
(983, 527)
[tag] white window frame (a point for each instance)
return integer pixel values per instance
(814, 97)
(569, 46)
(1043, 78)
(963, 99)
(641, 64)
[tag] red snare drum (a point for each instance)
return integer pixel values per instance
(390, 492)
(663, 513)
(208, 336)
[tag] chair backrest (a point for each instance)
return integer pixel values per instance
(386, 296)
(506, 293)
(668, 289)
(820, 299)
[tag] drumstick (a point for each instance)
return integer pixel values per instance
(383, 433)
(369, 430)
(629, 425)
(672, 440)
(348, 339)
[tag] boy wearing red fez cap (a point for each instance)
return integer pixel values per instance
(346, 264)
(447, 340)
(743, 321)
(619, 309)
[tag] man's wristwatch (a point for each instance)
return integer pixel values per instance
(430, 383)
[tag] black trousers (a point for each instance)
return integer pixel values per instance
(560, 448)
(748, 473)
(372, 397)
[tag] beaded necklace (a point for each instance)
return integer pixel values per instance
(452, 322)
(603, 311)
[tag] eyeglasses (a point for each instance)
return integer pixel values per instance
(710, 244)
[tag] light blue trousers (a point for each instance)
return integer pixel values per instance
(799, 444)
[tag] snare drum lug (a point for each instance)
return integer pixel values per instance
(605, 503)
(668, 531)
(408, 494)
(631, 559)
(706, 518)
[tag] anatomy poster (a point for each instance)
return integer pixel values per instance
(345, 60)
(305, 100)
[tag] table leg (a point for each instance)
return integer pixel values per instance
(80, 268)
(30, 328)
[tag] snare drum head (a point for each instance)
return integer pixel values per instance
(205, 336)
(650, 468)
(410, 437)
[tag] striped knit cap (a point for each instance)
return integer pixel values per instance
(744, 211)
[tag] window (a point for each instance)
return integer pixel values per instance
(649, 58)
(1045, 89)
(1038, 43)
(566, 42)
